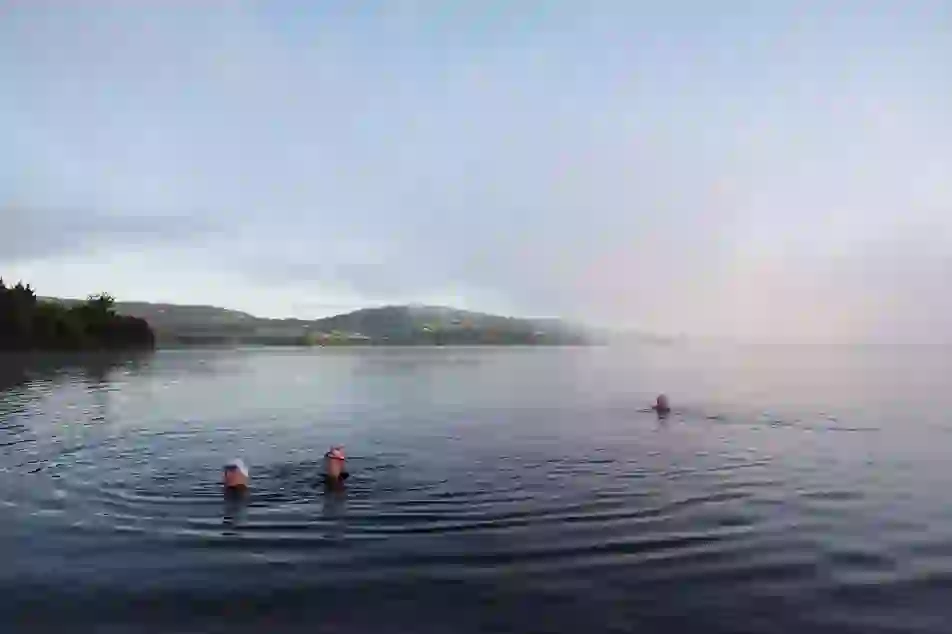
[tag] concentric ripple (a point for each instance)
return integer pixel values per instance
(545, 501)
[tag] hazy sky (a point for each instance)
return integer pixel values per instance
(754, 169)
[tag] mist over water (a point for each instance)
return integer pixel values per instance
(506, 490)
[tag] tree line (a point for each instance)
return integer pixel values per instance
(29, 323)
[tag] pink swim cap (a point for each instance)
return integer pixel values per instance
(336, 452)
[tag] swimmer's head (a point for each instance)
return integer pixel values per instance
(334, 463)
(235, 474)
(662, 403)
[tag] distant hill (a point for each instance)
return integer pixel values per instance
(176, 324)
(444, 325)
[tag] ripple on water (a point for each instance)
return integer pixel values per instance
(705, 512)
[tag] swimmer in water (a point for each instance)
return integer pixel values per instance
(661, 405)
(235, 476)
(334, 466)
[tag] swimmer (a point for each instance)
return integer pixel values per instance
(661, 405)
(334, 465)
(236, 475)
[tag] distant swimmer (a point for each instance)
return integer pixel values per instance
(661, 405)
(236, 475)
(335, 466)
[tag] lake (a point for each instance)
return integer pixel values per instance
(794, 489)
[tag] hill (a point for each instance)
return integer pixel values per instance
(176, 324)
(444, 325)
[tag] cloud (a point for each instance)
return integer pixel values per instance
(613, 164)
(31, 234)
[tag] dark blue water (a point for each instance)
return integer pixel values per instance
(493, 490)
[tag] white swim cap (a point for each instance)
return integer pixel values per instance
(238, 463)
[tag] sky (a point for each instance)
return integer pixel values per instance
(755, 170)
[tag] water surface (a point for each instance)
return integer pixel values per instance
(493, 489)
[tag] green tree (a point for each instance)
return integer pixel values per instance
(26, 323)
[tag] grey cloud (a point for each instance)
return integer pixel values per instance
(42, 232)
(629, 166)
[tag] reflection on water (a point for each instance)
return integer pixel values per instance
(236, 506)
(504, 490)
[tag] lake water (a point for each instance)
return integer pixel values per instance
(794, 489)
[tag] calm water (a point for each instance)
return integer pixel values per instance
(502, 490)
